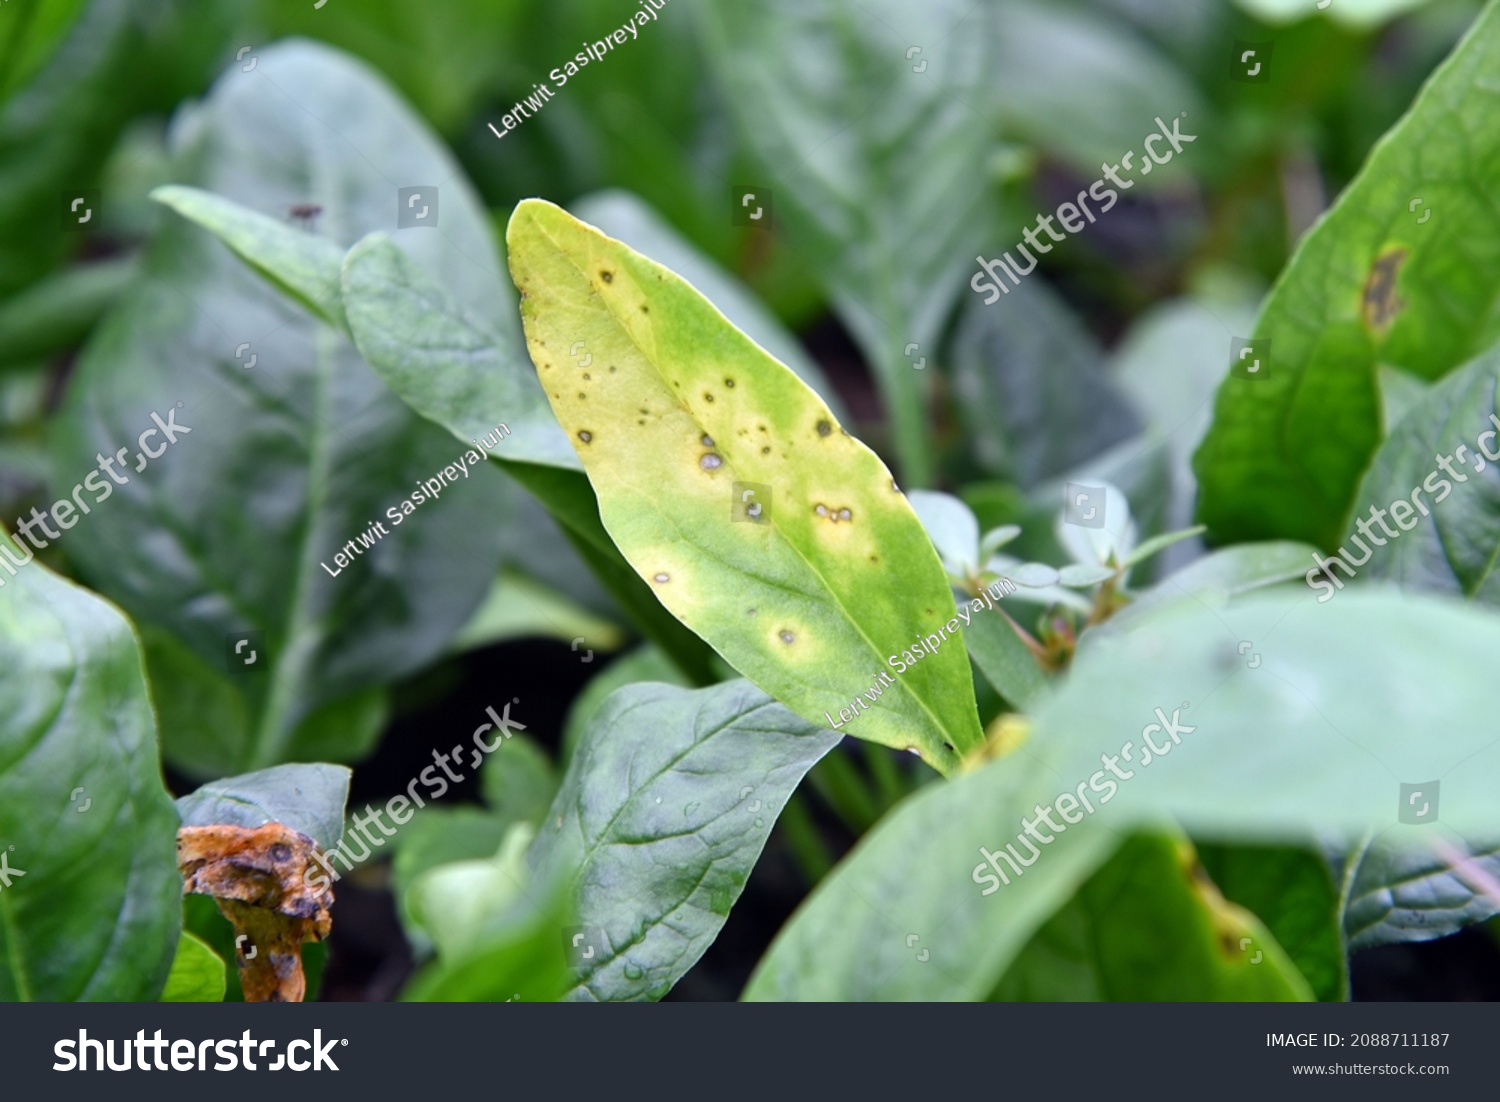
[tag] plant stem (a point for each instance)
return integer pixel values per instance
(802, 837)
(839, 783)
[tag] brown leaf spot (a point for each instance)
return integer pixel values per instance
(1379, 302)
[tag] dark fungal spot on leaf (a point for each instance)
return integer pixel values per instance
(710, 462)
(1379, 302)
(824, 428)
(766, 450)
(708, 441)
(874, 558)
(707, 397)
(645, 309)
(611, 369)
(788, 638)
(585, 435)
(587, 376)
(729, 383)
(608, 277)
(581, 394)
(1229, 945)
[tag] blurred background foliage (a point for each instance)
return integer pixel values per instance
(86, 90)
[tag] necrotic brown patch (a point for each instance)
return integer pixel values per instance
(262, 880)
(1379, 303)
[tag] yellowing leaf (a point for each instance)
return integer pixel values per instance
(757, 520)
